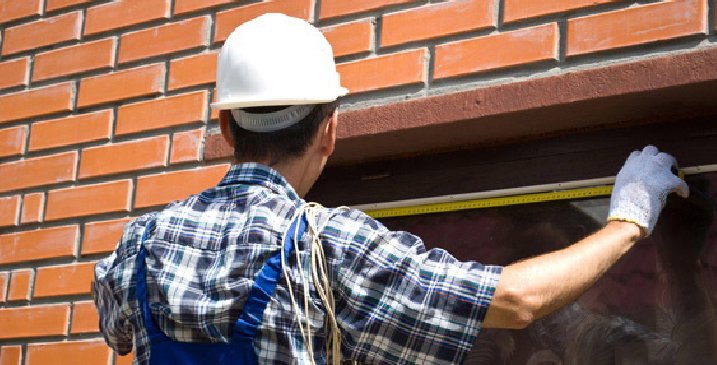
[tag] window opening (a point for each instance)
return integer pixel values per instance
(655, 306)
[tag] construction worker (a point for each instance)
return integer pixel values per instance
(248, 272)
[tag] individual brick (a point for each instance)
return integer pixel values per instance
(496, 51)
(10, 355)
(636, 25)
(36, 102)
(12, 141)
(32, 208)
(187, 6)
(43, 32)
(186, 146)
(227, 21)
(38, 171)
(161, 113)
(444, 18)
(164, 39)
(85, 200)
(193, 70)
(336, 8)
(102, 237)
(84, 318)
(124, 13)
(14, 72)
(163, 188)
(3, 290)
(383, 71)
(14, 9)
(74, 59)
(9, 210)
(71, 130)
(39, 244)
(88, 352)
(19, 288)
(124, 360)
(71, 279)
(122, 157)
(53, 5)
(349, 38)
(34, 321)
(524, 9)
(125, 84)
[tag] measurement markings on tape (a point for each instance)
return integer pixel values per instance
(491, 202)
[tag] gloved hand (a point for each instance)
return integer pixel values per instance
(642, 187)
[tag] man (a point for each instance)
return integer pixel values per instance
(351, 289)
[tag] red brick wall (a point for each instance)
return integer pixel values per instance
(104, 112)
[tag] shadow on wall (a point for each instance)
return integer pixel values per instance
(656, 306)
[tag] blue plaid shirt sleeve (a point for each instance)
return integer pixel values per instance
(113, 273)
(114, 325)
(399, 303)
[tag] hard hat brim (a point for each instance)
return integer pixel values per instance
(263, 101)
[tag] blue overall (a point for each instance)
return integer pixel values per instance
(240, 350)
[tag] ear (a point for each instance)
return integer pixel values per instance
(328, 137)
(224, 120)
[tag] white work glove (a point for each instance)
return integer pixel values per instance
(642, 186)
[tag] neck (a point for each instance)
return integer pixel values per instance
(299, 172)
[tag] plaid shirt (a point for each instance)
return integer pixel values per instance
(396, 302)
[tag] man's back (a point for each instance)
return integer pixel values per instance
(205, 251)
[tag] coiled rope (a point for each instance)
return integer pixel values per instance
(318, 272)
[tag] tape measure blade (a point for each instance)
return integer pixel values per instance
(495, 202)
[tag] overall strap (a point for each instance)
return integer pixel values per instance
(247, 325)
(153, 331)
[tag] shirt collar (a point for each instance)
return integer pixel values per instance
(252, 173)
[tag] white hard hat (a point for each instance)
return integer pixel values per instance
(273, 60)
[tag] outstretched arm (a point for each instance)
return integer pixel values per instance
(531, 289)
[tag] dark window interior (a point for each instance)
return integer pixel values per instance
(656, 306)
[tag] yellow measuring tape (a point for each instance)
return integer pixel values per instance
(570, 194)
